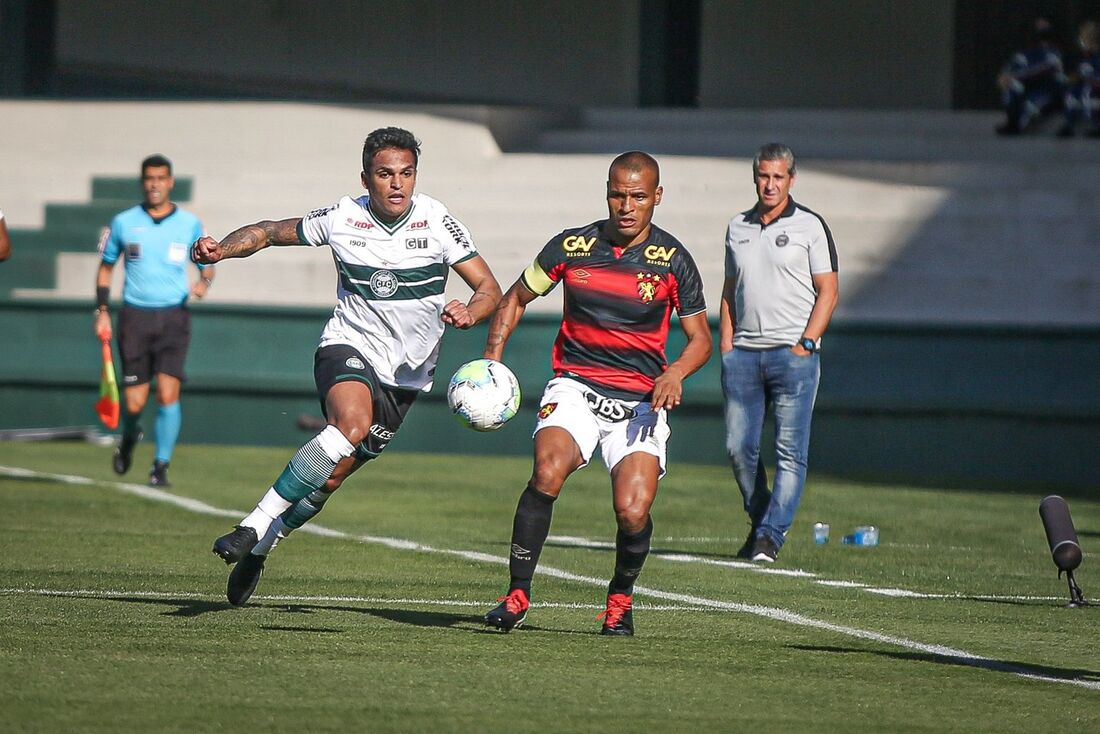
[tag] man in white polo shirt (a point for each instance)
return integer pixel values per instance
(779, 294)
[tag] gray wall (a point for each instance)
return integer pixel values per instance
(784, 53)
(801, 53)
(568, 52)
(983, 407)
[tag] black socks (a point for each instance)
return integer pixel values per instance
(630, 554)
(529, 530)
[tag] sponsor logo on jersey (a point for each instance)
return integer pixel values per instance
(319, 212)
(577, 245)
(657, 255)
(416, 243)
(743, 242)
(381, 433)
(359, 224)
(422, 224)
(782, 240)
(383, 283)
(355, 363)
(547, 410)
(647, 286)
(457, 232)
(607, 408)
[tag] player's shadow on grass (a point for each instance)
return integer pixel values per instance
(1001, 666)
(189, 608)
(468, 622)
(183, 607)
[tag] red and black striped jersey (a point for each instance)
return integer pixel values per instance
(617, 305)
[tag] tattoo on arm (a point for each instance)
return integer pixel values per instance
(255, 237)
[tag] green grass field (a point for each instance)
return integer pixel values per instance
(115, 619)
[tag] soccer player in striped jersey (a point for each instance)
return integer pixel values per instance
(392, 250)
(622, 278)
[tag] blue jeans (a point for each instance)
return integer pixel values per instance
(751, 381)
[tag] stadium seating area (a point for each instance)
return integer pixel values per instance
(963, 348)
(936, 220)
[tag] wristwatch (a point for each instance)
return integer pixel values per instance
(808, 344)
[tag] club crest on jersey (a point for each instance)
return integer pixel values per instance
(383, 284)
(355, 363)
(782, 240)
(546, 410)
(647, 286)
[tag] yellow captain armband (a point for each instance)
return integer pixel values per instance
(536, 279)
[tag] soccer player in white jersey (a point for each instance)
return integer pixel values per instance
(378, 352)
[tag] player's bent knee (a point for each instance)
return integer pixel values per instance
(354, 431)
(549, 477)
(632, 518)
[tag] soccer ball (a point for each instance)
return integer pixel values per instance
(483, 394)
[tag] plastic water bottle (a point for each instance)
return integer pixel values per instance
(866, 535)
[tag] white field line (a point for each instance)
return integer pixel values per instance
(575, 541)
(771, 570)
(740, 539)
(170, 595)
(961, 657)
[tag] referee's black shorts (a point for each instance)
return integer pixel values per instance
(153, 341)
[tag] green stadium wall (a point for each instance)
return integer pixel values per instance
(1000, 407)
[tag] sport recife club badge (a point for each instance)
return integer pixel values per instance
(647, 286)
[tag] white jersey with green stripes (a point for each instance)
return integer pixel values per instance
(391, 280)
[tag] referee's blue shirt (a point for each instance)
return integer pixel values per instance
(157, 255)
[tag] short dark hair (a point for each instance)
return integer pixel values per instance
(156, 161)
(774, 152)
(637, 161)
(389, 137)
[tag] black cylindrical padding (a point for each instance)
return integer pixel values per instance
(1061, 537)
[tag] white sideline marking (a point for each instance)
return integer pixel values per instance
(575, 541)
(782, 615)
(167, 595)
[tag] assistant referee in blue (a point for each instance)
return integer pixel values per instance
(154, 325)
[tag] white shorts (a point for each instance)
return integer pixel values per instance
(618, 427)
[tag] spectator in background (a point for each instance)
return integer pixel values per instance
(1032, 84)
(154, 325)
(5, 239)
(1082, 101)
(777, 299)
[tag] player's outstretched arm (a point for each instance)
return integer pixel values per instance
(246, 241)
(483, 302)
(506, 318)
(668, 388)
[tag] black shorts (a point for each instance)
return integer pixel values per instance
(152, 341)
(340, 363)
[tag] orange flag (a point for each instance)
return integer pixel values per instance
(107, 407)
